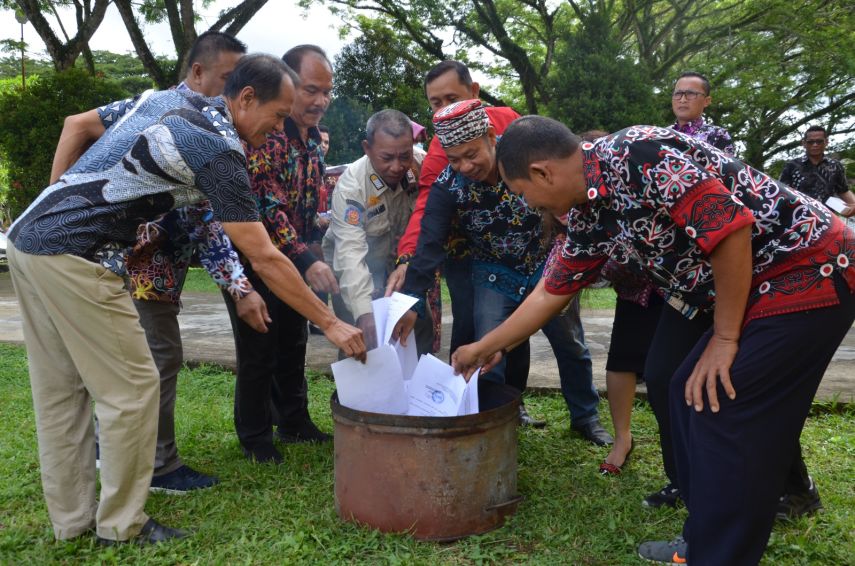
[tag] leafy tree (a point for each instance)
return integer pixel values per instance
(30, 123)
(88, 13)
(346, 119)
(181, 16)
(596, 85)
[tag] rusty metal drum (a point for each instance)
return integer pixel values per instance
(439, 478)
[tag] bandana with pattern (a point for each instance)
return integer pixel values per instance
(460, 122)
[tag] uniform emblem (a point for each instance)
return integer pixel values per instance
(373, 200)
(352, 216)
(376, 181)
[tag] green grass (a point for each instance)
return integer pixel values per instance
(199, 281)
(285, 515)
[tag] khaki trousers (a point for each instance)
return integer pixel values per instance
(84, 342)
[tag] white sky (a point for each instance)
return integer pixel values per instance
(278, 26)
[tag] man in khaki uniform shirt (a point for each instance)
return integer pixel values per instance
(371, 205)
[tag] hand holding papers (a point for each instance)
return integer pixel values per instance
(381, 384)
(436, 392)
(375, 386)
(837, 204)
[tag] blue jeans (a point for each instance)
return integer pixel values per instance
(458, 279)
(567, 339)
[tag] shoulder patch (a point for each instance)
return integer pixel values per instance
(353, 215)
(376, 181)
(355, 204)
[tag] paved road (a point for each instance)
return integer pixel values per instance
(207, 338)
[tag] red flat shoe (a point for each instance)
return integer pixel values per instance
(607, 469)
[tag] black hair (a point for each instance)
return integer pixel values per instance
(263, 73)
(210, 44)
(816, 129)
(533, 138)
(392, 122)
(294, 56)
(323, 128)
(693, 74)
(445, 66)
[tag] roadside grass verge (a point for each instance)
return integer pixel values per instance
(285, 514)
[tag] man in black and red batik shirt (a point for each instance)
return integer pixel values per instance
(776, 268)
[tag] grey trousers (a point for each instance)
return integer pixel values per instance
(160, 322)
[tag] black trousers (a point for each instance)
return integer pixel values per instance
(271, 383)
(674, 339)
(733, 465)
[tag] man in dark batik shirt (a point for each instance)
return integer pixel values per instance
(776, 269)
(286, 174)
(816, 175)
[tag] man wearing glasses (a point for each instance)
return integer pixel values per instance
(690, 98)
(816, 175)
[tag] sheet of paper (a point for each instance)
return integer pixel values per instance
(469, 406)
(836, 204)
(408, 357)
(376, 386)
(387, 312)
(434, 390)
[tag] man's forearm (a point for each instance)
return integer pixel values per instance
(277, 271)
(731, 265)
(78, 133)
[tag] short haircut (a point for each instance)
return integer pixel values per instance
(816, 129)
(533, 138)
(442, 68)
(693, 74)
(392, 122)
(294, 56)
(210, 44)
(324, 128)
(263, 73)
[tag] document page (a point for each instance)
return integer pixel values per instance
(435, 391)
(376, 386)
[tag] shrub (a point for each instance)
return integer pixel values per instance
(30, 123)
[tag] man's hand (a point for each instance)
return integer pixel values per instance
(396, 279)
(404, 326)
(849, 211)
(348, 338)
(253, 310)
(320, 277)
(467, 359)
(714, 364)
(369, 332)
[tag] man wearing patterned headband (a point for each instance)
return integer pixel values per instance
(776, 270)
(508, 248)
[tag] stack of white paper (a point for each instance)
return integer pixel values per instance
(836, 204)
(394, 381)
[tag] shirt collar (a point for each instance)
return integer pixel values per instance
(689, 127)
(593, 173)
(293, 133)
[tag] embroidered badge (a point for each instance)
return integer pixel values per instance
(375, 212)
(352, 215)
(376, 181)
(373, 200)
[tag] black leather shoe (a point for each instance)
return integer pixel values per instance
(304, 431)
(151, 533)
(263, 454)
(528, 420)
(594, 432)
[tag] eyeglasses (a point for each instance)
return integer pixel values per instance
(689, 94)
(814, 142)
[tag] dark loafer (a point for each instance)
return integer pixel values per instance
(594, 432)
(151, 533)
(528, 420)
